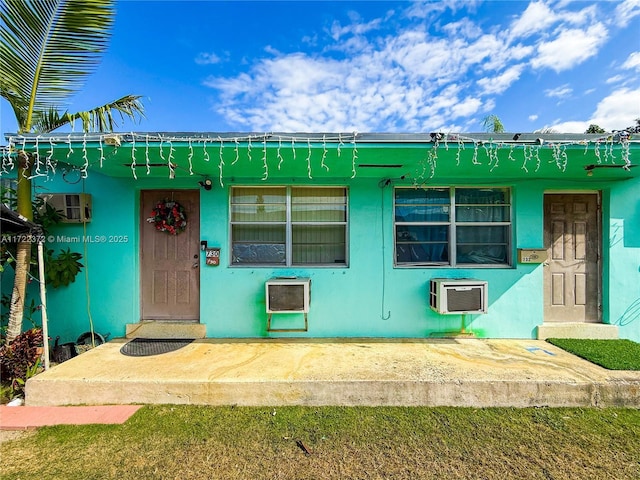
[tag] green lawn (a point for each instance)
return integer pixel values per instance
(611, 354)
(192, 442)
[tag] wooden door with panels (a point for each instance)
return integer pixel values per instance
(170, 264)
(572, 271)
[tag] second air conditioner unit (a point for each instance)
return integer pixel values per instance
(460, 296)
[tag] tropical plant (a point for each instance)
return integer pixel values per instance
(634, 128)
(493, 124)
(47, 50)
(593, 128)
(20, 359)
(63, 268)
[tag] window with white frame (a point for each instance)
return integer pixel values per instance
(289, 226)
(452, 226)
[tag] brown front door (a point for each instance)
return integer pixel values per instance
(572, 272)
(170, 264)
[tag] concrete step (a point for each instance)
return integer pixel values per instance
(594, 331)
(24, 418)
(162, 329)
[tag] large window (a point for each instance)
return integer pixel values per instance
(452, 226)
(289, 226)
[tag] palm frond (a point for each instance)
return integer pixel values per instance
(46, 121)
(19, 105)
(99, 119)
(492, 124)
(47, 49)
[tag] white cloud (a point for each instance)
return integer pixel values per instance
(560, 92)
(464, 28)
(585, 16)
(626, 11)
(614, 112)
(615, 79)
(466, 107)
(537, 17)
(489, 105)
(411, 79)
(570, 48)
(388, 90)
(427, 9)
(501, 82)
(632, 62)
(533, 118)
(618, 110)
(338, 31)
(569, 127)
(204, 58)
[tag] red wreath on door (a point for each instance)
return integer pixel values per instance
(169, 216)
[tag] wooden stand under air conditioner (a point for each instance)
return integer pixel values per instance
(269, 329)
(288, 295)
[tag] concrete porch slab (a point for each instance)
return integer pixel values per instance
(593, 331)
(162, 329)
(433, 372)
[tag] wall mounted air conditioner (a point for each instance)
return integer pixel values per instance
(288, 295)
(75, 207)
(460, 296)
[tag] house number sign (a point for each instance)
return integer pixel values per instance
(532, 255)
(212, 256)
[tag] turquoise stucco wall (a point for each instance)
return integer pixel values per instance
(109, 275)
(369, 298)
(622, 233)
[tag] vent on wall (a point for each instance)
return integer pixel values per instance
(74, 207)
(458, 296)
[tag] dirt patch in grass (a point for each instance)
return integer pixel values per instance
(612, 354)
(169, 442)
(6, 435)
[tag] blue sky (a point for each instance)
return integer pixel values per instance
(371, 66)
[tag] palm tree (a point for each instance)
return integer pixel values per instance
(493, 124)
(47, 49)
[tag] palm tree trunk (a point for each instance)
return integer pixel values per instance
(23, 254)
(16, 313)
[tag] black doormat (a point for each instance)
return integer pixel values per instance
(144, 347)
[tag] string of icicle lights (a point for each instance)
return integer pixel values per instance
(143, 146)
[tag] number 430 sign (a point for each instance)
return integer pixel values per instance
(213, 256)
